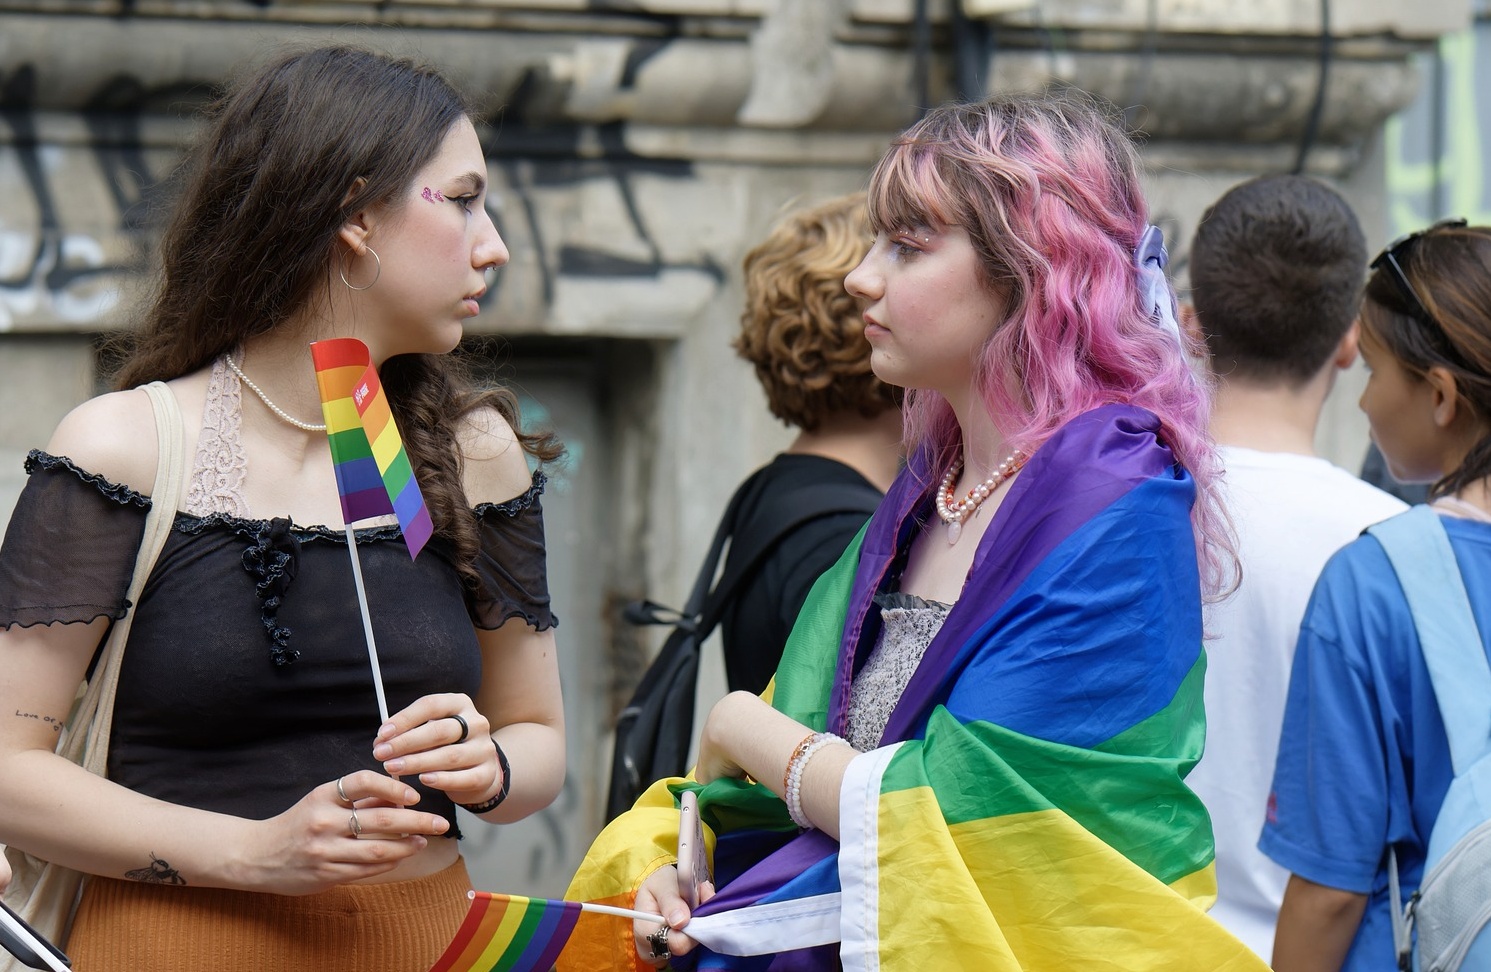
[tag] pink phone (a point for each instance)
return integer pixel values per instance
(693, 859)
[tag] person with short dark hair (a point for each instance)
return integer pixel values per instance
(335, 193)
(1365, 761)
(804, 334)
(1276, 274)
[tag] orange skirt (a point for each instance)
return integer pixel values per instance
(402, 926)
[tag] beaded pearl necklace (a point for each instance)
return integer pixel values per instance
(952, 512)
(304, 426)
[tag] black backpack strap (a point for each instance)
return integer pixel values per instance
(789, 511)
(650, 612)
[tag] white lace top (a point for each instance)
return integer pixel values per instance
(216, 484)
(908, 625)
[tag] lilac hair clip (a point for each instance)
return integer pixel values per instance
(1150, 257)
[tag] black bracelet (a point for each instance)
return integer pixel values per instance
(487, 806)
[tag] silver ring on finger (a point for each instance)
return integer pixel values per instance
(465, 729)
(355, 824)
(341, 793)
(658, 942)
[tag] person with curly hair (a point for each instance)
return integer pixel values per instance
(804, 334)
(336, 193)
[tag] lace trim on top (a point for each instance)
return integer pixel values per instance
(220, 465)
(909, 624)
(518, 503)
(36, 459)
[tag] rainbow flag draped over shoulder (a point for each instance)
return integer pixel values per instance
(373, 473)
(509, 933)
(1026, 808)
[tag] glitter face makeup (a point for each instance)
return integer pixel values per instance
(432, 195)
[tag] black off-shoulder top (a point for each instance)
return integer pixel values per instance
(246, 681)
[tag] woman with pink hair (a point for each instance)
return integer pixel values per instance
(973, 752)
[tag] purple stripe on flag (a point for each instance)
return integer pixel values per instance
(1028, 525)
(365, 504)
(564, 926)
(768, 879)
(418, 533)
(548, 919)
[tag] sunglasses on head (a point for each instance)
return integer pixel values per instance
(1389, 258)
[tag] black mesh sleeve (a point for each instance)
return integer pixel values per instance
(70, 548)
(514, 580)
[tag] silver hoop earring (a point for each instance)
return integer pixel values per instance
(378, 272)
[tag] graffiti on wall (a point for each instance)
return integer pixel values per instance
(48, 270)
(578, 208)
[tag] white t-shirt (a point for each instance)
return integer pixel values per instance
(1291, 513)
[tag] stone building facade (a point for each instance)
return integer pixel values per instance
(637, 149)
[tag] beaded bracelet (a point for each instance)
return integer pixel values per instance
(487, 806)
(792, 794)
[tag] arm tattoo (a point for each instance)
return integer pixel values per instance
(52, 721)
(159, 872)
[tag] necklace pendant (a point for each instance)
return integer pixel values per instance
(954, 531)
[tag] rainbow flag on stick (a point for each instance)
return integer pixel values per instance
(510, 933)
(373, 473)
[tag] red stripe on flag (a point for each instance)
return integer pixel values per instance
(465, 935)
(339, 353)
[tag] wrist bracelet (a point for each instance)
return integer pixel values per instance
(487, 806)
(795, 768)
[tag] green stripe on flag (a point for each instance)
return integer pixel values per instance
(398, 473)
(806, 673)
(349, 444)
(532, 915)
(1136, 803)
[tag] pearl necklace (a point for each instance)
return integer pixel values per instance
(304, 426)
(953, 513)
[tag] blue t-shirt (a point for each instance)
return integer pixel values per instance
(1363, 757)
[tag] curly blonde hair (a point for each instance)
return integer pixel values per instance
(801, 329)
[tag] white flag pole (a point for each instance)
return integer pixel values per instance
(601, 909)
(367, 625)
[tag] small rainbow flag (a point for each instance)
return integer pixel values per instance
(373, 473)
(509, 933)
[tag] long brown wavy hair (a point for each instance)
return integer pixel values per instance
(255, 232)
(1450, 271)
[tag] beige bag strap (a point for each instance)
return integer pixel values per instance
(95, 714)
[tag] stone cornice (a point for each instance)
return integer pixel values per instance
(1191, 89)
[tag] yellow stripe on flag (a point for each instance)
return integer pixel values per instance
(341, 415)
(503, 936)
(386, 447)
(1038, 871)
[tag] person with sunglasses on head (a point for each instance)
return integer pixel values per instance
(1364, 762)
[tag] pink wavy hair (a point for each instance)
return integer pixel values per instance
(1047, 188)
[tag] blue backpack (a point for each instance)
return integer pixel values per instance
(1451, 909)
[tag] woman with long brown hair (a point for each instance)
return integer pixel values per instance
(336, 193)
